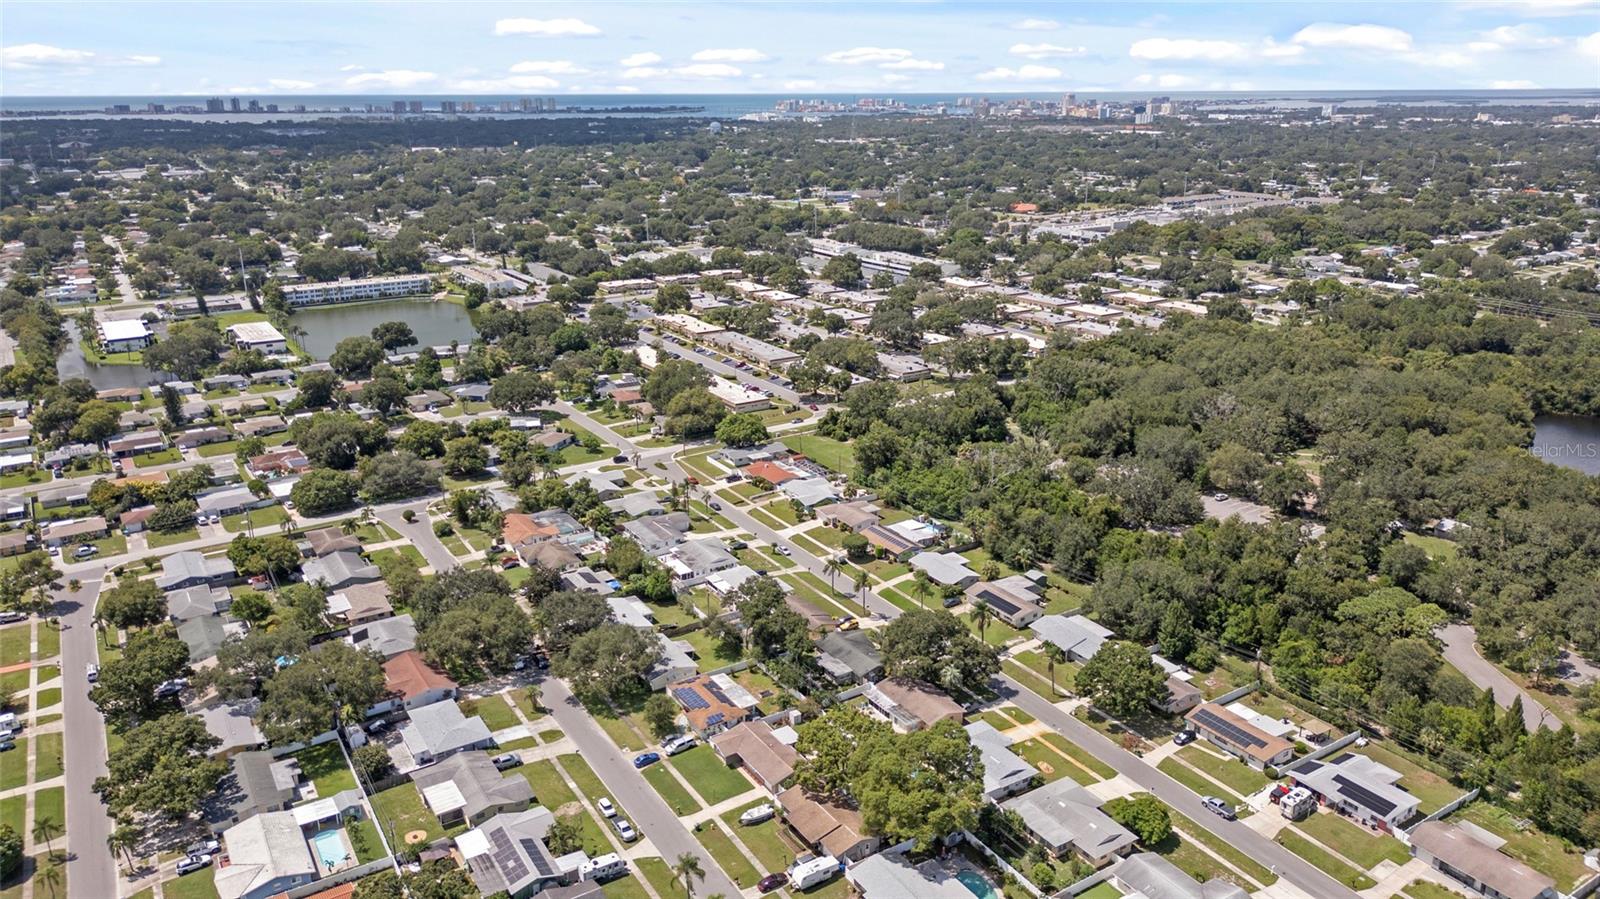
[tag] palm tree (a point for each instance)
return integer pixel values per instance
(832, 567)
(51, 875)
(861, 589)
(124, 839)
(1053, 656)
(921, 587)
(990, 570)
(74, 585)
(46, 829)
(687, 871)
(981, 616)
(349, 526)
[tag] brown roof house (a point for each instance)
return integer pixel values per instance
(754, 747)
(912, 705)
(1477, 865)
(1254, 746)
(826, 826)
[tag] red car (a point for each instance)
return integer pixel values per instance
(812, 407)
(772, 882)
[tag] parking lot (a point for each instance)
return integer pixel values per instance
(1222, 510)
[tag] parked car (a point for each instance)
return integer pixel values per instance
(172, 687)
(646, 759)
(92, 672)
(619, 459)
(758, 814)
(1184, 737)
(86, 550)
(7, 745)
(736, 544)
(716, 506)
(203, 847)
(606, 808)
(772, 882)
(1278, 792)
(680, 743)
(193, 863)
(12, 617)
(1220, 497)
(625, 831)
(506, 761)
(1218, 807)
(782, 550)
(811, 406)
(848, 622)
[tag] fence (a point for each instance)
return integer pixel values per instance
(1332, 747)
(1087, 883)
(1002, 864)
(1236, 693)
(1587, 888)
(345, 876)
(1463, 799)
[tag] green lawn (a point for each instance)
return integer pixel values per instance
(157, 539)
(1537, 849)
(728, 857)
(1193, 831)
(1425, 889)
(222, 448)
(1195, 862)
(710, 654)
(48, 758)
(710, 776)
(14, 766)
(364, 838)
(1101, 890)
(407, 553)
(677, 798)
(1051, 765)
(1435, 547)
(494, 711)
(25, 477)
(402, 811)
(1233, 774)
(628, 887)
(51, 803)
(199, 885)
(160, 457)
(16, 643)
(49, 639)
(826, 451)
(1331, 866)
(1431, 789)
(324, 766)
(12, 810)
(48, 697)
(1071, 749)
(265, 519)
(1353, 841)
(1190, 778)
(659, 874)
(763, 840)
(112, 544)
(549, 790)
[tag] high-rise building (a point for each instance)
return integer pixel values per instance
(214, 104)
(399, 106)
(525, 104)
(156, 107)
(415, 106)
(448, 106)
(550, 103)
(272, 107)
(233, 104)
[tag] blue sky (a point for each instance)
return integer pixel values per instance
(425, 48)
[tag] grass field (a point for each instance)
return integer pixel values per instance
(493, 710)
(16, 643)
(324, 766)
(1235, 775)
(402, 811)
(199, 885)
(51, 803)
(1331, 866)
(728, 857)
(1539, 850)
(48, 759)
(1423, 889)
(1190, 778)
(1051, 765)
(763, 840)
(1254, 869)
(826, 451)
(158, 539)
(1072, 749)
(14, 767)
(265, 520)
(676, 797)
(710, 776)
(1353, 841)
(1431, 789)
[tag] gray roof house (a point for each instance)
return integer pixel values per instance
(440, 730)
(267, 855)
(946, 569)
(255, 783)
(205, 634)
(696, 560)
(507, 853)
(192, 602)
(1076, 635)
(467, 787)
(234, 724)
(388, 637)
(675, 664)
(1151, 875)
(634, 505)
(891, 876)
(1004, 773)
(1065, 817)
(339, 569)
(192, 569)
(658, 533)
(849, 655)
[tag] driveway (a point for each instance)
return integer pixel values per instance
(419, 532)
(1461, 650)
(628, 787)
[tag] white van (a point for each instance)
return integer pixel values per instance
(805, 875)
(603, 868)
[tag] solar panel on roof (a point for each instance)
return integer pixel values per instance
(997, 602)
(716, 691)
(535, 854)
(506, 857)
(690, 699)
(1236, 734)
(1363, 795)
(716, 718)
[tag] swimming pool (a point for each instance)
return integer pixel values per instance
(330, 848)
(976, 882)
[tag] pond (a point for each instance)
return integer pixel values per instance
(435, 323)
(1571, 441)
(72, 363)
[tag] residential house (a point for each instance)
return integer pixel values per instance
(411, 682)
(676, 663)
(1149, 874)
(637, 505)
(769, 471)
(440, 730)
(826, 827)
(81, 530)
(550, 555)
(135, 520)
(1357, 786)
(359, 603)
(945, 569)
(325, 541)
(1004, 772)
(225, 382)
(586, 580)
(1074, 635)
(632, 611)
(554, 441)
(810, 492)
(694, 561)
(15, 543)
(256, 782)
(466, 788)
(1014, 600)
(1181, 696)
(1481, 867)
(198, 437)
(913, 705)
(388, 637)
(848, 656)
(889, 875)
(726, 583)
(230, 501)
(1236, 736)
(658, 533)
(261, 427)
(135, 444)
(194, 569)
(267, 855)
(205, 634)
(914, 530)
(713, 703)
(65, 495)
(507, 854)
(428, 400)
(234, 726)
(278, 463)
(856, 515)
(339, 569)
(193, 602)
(754, 747)
(1065, 818)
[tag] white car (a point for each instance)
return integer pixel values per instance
(680, 743)
(782, 550)
(757, 815)
(606, 808)
(625, 831)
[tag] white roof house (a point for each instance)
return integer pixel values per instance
(130, 331)
(267, 855)
(948, 569)
(256, 335)
(1064, 816)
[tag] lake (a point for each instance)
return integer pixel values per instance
(73, 364)
(435, 323)
(1571, 441)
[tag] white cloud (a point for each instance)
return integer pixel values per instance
(1520, 84)
(1184, 48)
(545, 27)
(916, 65)
(1046, 51)
(501, 85)
(1167, 80)
(352, 67)
(1590, 46)
(800, 84)
(692, 70)
(395, 78)
(547, 67)
(857, 56)
(641, 59)
(731, 54)
(43, 56)
(1514, 37)
(1379, 38)
(1021, 73)
(892, 78)
(1036, 25)
(274, 85)
(1271, 49)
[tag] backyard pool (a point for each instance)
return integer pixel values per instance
(977, 883)
(331, 850)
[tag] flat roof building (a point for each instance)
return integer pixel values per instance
(124, 336)
(260, 336)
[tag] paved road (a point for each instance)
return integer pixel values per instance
(91, 871)
(1461, 650)
(639, 800)
(419, 532)
(1285, 863)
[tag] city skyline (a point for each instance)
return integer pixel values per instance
(303, 49)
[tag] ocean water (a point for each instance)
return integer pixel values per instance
(733, 105)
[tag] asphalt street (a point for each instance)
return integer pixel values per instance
(91, 870)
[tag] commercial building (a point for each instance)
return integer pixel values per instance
(124, 336)
(357, 289)
(758, 351)
(259, 336)
(739, 397)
